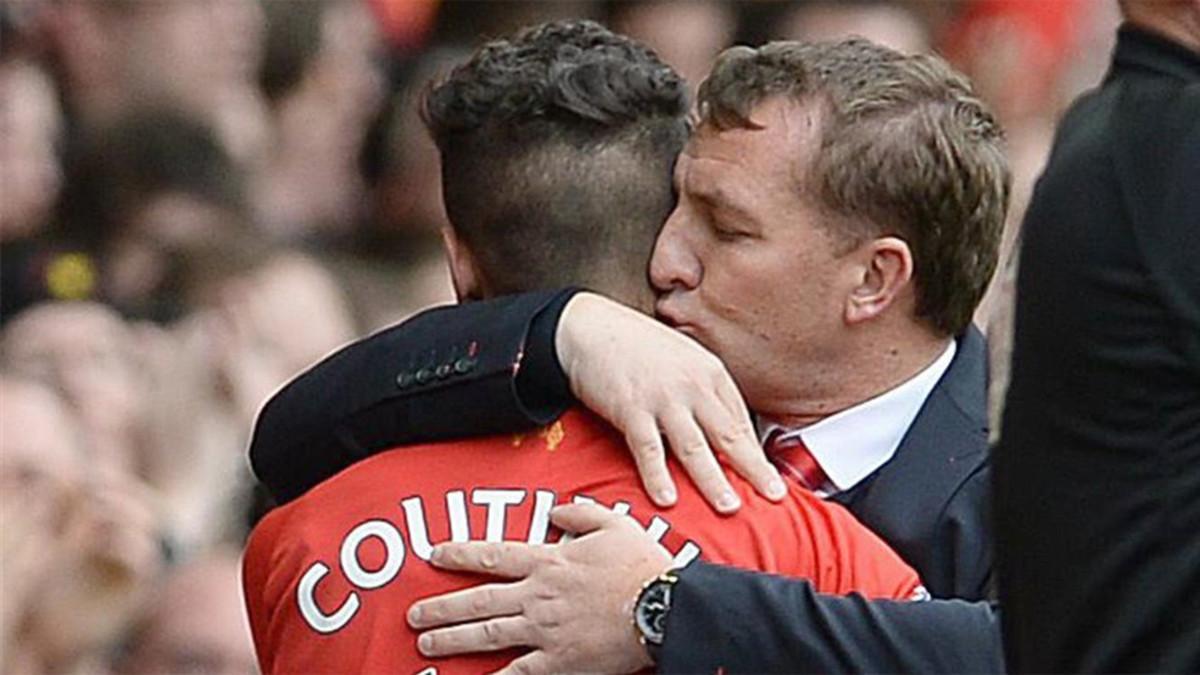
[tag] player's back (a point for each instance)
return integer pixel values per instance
(329, 577)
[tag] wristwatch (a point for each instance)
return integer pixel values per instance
(651, 608)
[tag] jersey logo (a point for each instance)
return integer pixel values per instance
(552, 435)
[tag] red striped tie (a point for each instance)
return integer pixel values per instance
(791, 455)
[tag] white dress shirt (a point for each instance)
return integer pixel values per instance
(852, 444)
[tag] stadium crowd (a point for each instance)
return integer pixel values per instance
(202, 198)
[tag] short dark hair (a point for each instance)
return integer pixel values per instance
(906, 149)
(557, 149)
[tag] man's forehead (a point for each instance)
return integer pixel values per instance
(777, 124)
(785, 134)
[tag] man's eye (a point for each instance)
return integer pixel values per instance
(726, 234)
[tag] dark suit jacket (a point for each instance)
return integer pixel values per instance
(931, 500)
(1098, 470)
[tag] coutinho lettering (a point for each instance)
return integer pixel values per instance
(397, 548)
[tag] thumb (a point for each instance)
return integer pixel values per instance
(581, 518)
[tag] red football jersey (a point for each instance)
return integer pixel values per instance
(329, 577)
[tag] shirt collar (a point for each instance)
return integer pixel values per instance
(852, 444)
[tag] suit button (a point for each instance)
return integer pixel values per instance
(404, 380)
(443, 371)
(464, 365)
(424, 375)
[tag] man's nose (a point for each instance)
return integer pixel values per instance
(674, 264)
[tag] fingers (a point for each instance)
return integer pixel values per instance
(533, 663)
(690, 446)
(581, 518)
(508, 559)
(734, 437)
(645, 442)
(482, 636)
(481, 602)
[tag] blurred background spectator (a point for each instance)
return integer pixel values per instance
(201, 197)
(688, 34)
(143, 193)
(321, 75)
(32, 128)
(77, 547)
(891, 24)
(198, 55)
(85, 351)
(193, 622)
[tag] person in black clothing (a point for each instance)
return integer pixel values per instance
(1098, 468)
(441, 374)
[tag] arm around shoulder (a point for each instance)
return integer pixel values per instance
(446, 373)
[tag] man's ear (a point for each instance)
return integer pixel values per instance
(885, 270)
(464, 272)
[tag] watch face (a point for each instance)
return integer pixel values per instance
(651, 612)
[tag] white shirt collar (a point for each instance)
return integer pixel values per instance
(852, 444)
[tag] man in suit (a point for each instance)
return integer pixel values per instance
(832, 283)
(1098, 468)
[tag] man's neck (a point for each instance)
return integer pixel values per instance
(878, 369)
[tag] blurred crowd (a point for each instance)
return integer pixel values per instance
(201, 197)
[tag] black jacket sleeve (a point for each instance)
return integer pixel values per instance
(737, 621)
(463, 370)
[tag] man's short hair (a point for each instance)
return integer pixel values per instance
(906, 149)
(557, 149)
